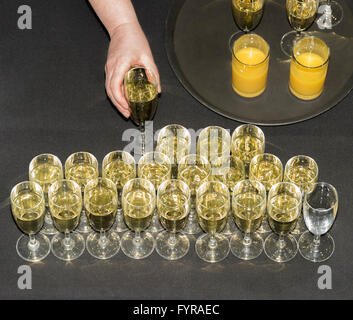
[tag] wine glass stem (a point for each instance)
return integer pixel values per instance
(137, 238)
(247, 239)
(172, 239)
(281, 242)
(213, 242)
(67, 241)
(102, 239)
(33, 243)
(316, 243)
(143, 138)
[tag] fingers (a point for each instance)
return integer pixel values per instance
(152, 66)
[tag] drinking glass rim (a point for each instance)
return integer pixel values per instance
(76, 185)
(181, 128)
(249, 33)
(248, 125)
(159, 154)
(174, 180)
(251, 181)
(216, 182)
(134, 67)
(266, 154)
(95, 161)
(297, 189)
(129, 156)
(101, 179)
(321, 65)
(331, 187)
(153, 192)
(310, 159)
(12, 197)
(31, 165)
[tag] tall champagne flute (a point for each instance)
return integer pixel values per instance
(28, 210)
(101, 203)
(141, 92)
(247, 14)
(283, 207)
(332, 13)
(212, 205)
(267, 169)
(155, 167)
(303, 172)
(301, 14)
(193, 170)
(249, 207)
(173, 203)
(45, 169)
(320, 210)
(174, 141)
(65, 203)
(120, 167)
(82, 167)
(139, 201)
(248, 141)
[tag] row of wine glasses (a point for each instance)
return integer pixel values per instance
(301, 14)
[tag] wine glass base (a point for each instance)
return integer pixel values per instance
(70, 252)
(264, 227)
(230, 227)
(48, 227)
(155, 225)
(278, 253)
(84, 226)
(288, 41)
(120, 225)
(334, 14)
(172, 251)
(212, 254)
(192, 225)
(108, 250)
(137, 249)
(38, 252)
(246, 251)
(316, 254)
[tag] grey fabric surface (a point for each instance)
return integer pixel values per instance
(52, 99)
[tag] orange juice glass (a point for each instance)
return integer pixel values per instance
(308, 68)
(250, 60)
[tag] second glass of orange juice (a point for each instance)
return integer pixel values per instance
(250, 61)
(308, 68)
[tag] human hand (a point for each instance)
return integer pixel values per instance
(128, 47)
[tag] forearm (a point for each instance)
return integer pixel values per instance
(114, 13)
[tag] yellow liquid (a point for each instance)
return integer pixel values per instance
(249, 72)
(306, 83)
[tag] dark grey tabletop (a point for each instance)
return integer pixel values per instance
(52, 99)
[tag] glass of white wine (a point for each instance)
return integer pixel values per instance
(139, 201)
(45, 169)
(283, 207)
(248, 141)
(267, 169)
(120, 167)
(82, 167)
(65, 203)
(193, 170)
(174, 141)
(249, 207)
(301, 14)
(212, 205)
(101, 203)
(141, 92)
(154, 167)
(28, 210)
(332, 12)
(303, 171)
(247, 14)
(173, 204)
(320, 210)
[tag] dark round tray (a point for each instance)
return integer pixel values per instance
(197, 34)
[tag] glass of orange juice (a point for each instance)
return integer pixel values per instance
(308, 69)
(250, 60)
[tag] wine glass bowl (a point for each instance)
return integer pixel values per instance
(247, 14)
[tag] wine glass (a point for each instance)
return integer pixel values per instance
(174, 141)
(173, 203)
(320, 209)
(155, 167)
(247, 14)
(214, 144)
(303, 172)
(248, 141)
(28, 210)
(101, 203)
(301, 14)
(332, 14)
(249, 207)
(82, 167)
(193, 170)
(267, 169)
(120, 167)
(45, 169)
(283, 207)
(139, 201)
(65, 203)
(141, 92)
(212, 205)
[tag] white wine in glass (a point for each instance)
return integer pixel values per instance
(247, 14)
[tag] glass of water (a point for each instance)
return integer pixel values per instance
(320, 209)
